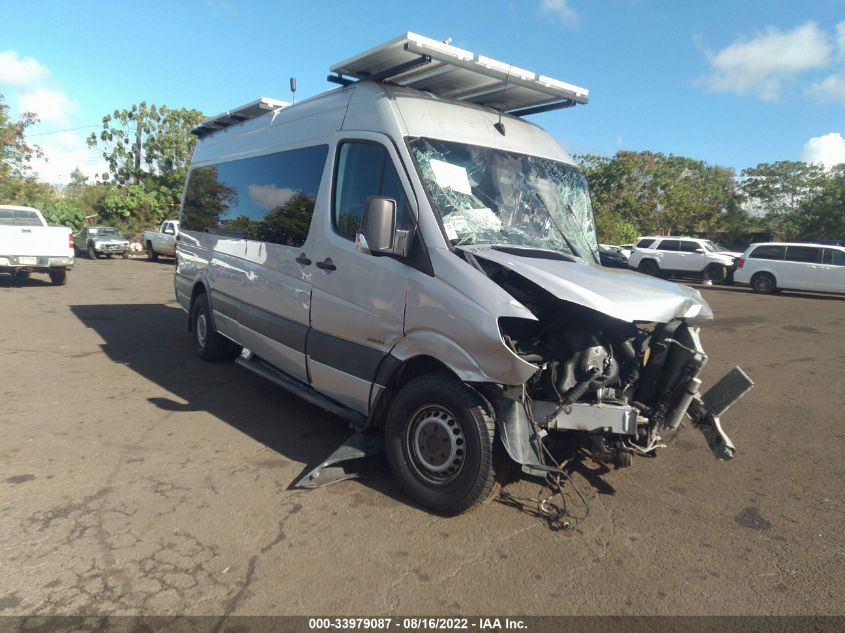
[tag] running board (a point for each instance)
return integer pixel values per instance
(298, 388)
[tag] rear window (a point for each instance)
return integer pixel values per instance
(645, 243)
(833, 257)
(768, 252)
(806, 254)
(19, 217)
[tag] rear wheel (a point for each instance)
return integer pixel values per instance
(649, 267)
(764, 283)
(58, 277)
(208, 342)
(439, 438)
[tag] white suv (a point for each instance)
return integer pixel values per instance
(684, 256)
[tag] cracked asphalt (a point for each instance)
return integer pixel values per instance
(136, 479)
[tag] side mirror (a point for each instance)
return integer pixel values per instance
(377, 233)
(699, 250)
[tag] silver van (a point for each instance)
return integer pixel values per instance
(408, 252)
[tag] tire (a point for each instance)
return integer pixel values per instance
(151, 254)
(649, 267)
(439, 440)
(125, 254)
(209, 344)
(716, 273)
(58, 277)
(92, 254)
(109, 255)
(763, 283)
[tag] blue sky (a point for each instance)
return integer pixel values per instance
(732, 83)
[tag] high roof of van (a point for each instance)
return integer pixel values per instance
(368, 106)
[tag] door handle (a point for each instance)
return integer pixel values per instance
(302, 259)
(326, 264)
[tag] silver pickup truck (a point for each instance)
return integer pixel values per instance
(163, 241)
(28, 245)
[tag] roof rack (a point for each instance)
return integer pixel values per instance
(450, 72)
(236, 115)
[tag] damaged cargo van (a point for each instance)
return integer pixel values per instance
(408, 252)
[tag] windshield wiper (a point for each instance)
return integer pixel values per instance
(554, 222)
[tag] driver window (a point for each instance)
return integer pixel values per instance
(363, 170)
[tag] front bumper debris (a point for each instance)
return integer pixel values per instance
(705, 411)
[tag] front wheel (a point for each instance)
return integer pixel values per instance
(763, 283)
(92, 253)
(151, 253)
(125, 254)
(439, 439)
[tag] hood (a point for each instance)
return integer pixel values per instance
(621, 294)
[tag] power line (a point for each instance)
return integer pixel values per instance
(70, 129)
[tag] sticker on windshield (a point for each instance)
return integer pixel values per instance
(451, 233)
(452, 176)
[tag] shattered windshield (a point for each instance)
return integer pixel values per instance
(493, 196)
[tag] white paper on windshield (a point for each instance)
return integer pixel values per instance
(452, 176)
(485, 217)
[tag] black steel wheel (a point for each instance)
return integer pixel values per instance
(439, 438)
(763, 283)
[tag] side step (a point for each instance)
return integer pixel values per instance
(299, 388)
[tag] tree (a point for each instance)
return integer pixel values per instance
(823, 215)
(16, 183)
(148, 149)
(778, 190)
(647, 192)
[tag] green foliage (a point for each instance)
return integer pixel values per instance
(131, 208)
(63, 213)
(16, 184)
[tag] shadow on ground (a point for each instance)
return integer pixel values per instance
(152, 340)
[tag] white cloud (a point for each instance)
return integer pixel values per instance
(831, 88)
(561, 10)
(840, 38)
(64, 152)
(32, 84)
(51, 106)
(21, 72)
(760, 65)
(270, 196)
(828, 149)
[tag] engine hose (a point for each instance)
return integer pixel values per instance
(578, 391)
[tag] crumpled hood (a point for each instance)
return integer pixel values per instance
(622, 294)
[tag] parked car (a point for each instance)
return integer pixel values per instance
(28, 245)
(683, 257)
(163, 241)
(101, 240)
(427, 269)
(612, 257)
(773, 266)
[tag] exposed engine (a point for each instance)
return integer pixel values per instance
(613, 384)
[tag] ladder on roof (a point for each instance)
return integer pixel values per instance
(419, 62)
(236, 115)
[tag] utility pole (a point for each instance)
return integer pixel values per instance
(137, 152)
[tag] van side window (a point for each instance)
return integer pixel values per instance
(267, 198)
(833, 258)
(808, 254)
(768, 252)
(364, 170)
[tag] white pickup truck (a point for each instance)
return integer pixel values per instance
(28, 245)
(163, 241)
